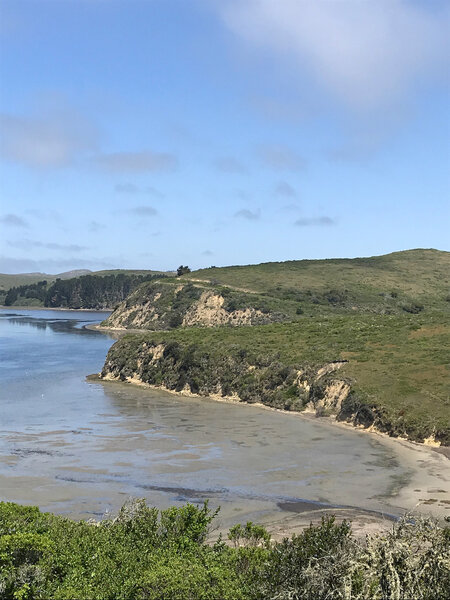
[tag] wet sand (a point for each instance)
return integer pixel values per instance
(425, 488)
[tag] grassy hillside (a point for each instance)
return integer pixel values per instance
(387, 316)
(405, 282)
(398, 368)
(412, 275)
(8, 281)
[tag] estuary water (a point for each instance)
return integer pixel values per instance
(83, 448)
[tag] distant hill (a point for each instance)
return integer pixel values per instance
(421, 275)
(402, 282)
(98, 290)
(8, 281)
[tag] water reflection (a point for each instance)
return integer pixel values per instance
(57, 325)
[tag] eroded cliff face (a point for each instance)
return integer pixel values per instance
(235, 377)
(162, 306)
(208, 311)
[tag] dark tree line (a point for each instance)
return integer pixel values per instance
(34, 290)
(87, 291)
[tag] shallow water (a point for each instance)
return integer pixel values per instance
(82, 448)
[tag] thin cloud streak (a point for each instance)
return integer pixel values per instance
(51, 140)
(12, 220)
(230, 164)
(137, 162)
(144, 211)
(27, 244)
(133, 189)
(244, 213)
(315, 222)
(283, 188)
(281, 158)
(10, 265)
(126, 188)
(95, 226)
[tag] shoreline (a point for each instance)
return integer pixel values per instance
(100, 310)
(288, 522)
(428, 489)
(306, 414)
(119, 332)
(429, 442)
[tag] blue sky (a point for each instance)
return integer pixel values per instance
(146, 134)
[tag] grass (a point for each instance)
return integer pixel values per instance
(9, 281)
(419, 274)
(387, 315)
(398, 363)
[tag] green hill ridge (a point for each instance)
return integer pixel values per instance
(363, 340)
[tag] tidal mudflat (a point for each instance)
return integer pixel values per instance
(82, 448)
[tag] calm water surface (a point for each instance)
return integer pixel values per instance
(83, 448)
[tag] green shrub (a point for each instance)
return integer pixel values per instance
(288, 573)
(412, 561)
(249, 535)
(413, 308)
(144, 553)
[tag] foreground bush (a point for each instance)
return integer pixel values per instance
(162, 555)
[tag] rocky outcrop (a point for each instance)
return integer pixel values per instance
(233, 375)
(162, 305)
(209, 311)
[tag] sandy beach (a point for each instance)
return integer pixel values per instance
(427, 490)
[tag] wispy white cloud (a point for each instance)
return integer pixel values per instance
(247, 214)
(284, 189)
(229, 164)
(281, 158)
(143, 211)
(26, 244)
(12, 220)
(131, 189)
(95, 226)
(9, 264)
(137, 162)
(315, 222)
(126, 188)
(366, 53)
(283, 109)
(52, 139)
(290, 207)
(243, 195)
